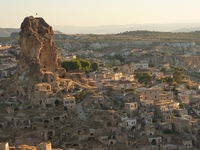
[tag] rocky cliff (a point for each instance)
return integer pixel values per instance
(39, 62)
(38, 52)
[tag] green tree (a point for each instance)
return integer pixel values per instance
(145, 78)
(71, 65)
(130, 90)
(181, 105)
(94, 66)
(168, 80)
(177, 75)
(85, 65)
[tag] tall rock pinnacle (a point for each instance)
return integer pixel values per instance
(39, 67)
(38, 52)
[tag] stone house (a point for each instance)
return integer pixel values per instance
(164, 96)
(194, 100)
(131, 108)
(125, 84)
(140, 65)
(114, 76)
(148, 119)
(126, 68)
(41, 93)
(147, 103)
(129, 77)
(149, 93)
(108, 140)
(130, 124)
(187, 142)
(166, 117)
(184, 98)
(181, 124)
(149, 129)
(163, 106)
(69, 102)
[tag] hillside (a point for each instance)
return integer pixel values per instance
(5, 32)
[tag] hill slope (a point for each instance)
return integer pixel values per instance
(5, 32)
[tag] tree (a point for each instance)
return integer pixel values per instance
(129, 90)
(85, 65)
(145, 78)
(94, 66)
(169, 80)
(71, 65)
(177, 75)
(181, 105)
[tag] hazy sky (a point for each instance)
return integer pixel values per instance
(100, 12)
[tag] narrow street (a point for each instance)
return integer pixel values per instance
(81, 113)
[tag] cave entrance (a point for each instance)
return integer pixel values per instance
(56, 103)
(153, 142)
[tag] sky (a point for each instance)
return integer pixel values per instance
(100, 12)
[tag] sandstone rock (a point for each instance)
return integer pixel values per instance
(39, 63)
(38, 53)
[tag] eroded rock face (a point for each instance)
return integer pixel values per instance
(38, 52)
(39, 62)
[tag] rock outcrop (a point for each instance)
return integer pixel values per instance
(39, 67)
(38, 53)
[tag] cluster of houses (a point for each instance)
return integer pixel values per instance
(117, 111)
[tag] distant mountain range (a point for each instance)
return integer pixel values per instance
(5, 32)
(14, 32)
(113, 29)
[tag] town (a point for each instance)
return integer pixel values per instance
(131, 98)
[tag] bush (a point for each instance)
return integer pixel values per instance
(145, 78)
